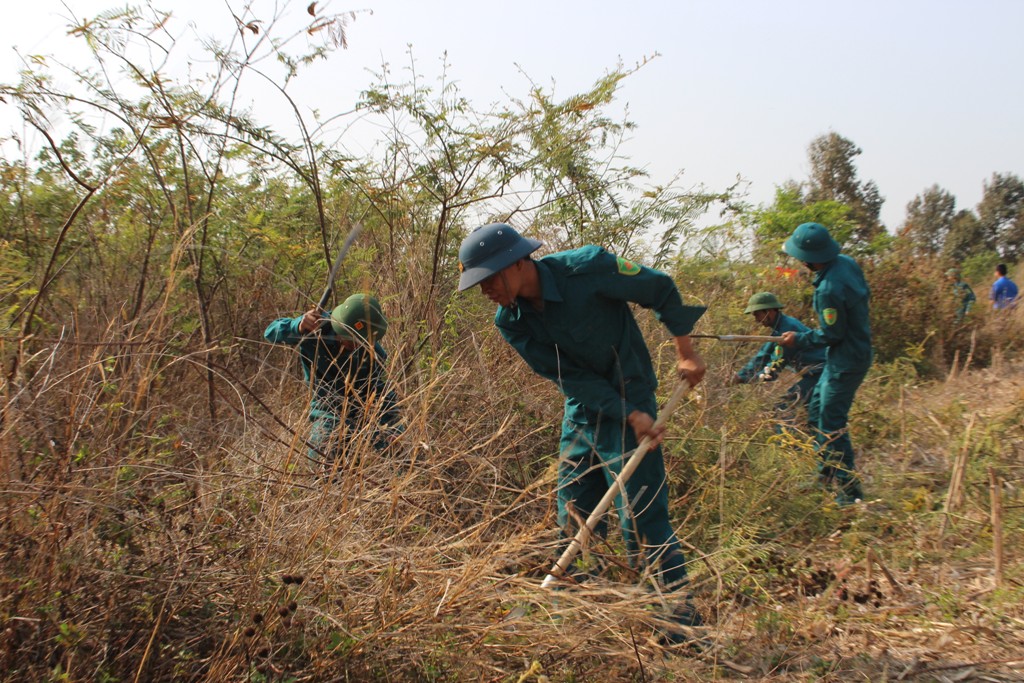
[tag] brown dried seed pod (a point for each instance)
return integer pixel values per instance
(283, 611)
(286, 579)
(264, 651)
(249, 632)
(257, 618)
(292, 606)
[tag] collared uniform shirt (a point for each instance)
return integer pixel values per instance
(841, 301)
(965, 297)
(776, 356)
(344, 382)
(586, 339)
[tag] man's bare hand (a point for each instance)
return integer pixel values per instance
(310, 321)
(789, 339)
(643, 426)
(689, 365)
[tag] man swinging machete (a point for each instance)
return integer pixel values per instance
(345, 365)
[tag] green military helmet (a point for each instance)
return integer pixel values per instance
(762, 301)
(812, 243)
(953, 272)
(358, 318)
(490, 249)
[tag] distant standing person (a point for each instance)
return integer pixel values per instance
(1004, 291)
(344, 364)
(568, 316)
(963, 293)
(771, 358)
(841, 301)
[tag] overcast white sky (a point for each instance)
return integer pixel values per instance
(931, 90)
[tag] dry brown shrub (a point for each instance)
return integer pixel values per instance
(144, 540)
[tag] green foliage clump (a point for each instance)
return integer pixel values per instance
(775, 223)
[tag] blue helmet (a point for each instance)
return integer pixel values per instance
(812, 243)
(490, 249)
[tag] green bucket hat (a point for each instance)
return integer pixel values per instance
(359, 317)
(490, 249)
(812, 243)
(762, 301)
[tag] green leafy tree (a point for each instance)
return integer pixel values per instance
(550, 166)
(1001, 214)
(179, 144)
(966, 236)
(773, 224)
(979, 268)
(588, 193)
(929, 220)
(834, 178)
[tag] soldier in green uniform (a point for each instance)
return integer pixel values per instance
(344, 363)
(771, 358)
(568, 316)
(963, 293)
(841, 301)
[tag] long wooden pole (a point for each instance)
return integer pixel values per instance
(956, 480)
(995, 490)
(739, 337)
(583, 535)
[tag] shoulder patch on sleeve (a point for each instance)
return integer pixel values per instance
(627, 267)
(830, 315)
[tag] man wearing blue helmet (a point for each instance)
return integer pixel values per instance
(344, 364)
(841, 301)
(568, 316)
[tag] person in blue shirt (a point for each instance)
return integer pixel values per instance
(841, 297)
(1004, 290)
(568, 316)
(345, 365)
(963, 293)
(771, 358)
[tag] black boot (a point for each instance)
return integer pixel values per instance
(683, 627)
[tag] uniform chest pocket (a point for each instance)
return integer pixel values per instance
(585, 332)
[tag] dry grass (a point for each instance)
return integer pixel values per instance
(146, 540)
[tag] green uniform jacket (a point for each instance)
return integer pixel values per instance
(344, 382)
(772, 357)
(841, 301)
(965, 296)
(586, 339)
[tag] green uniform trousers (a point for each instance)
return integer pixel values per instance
(591, 458)
(327, 436)
(829, 414)
(798, 394)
